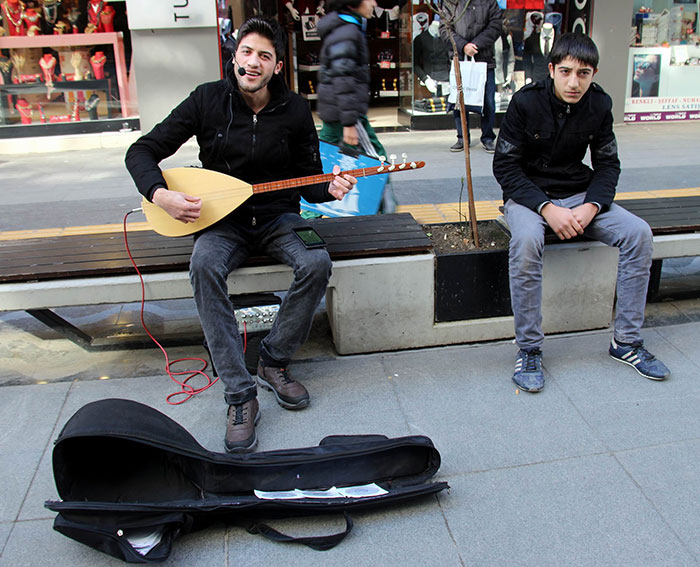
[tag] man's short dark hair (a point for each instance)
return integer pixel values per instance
(578, 46)
(267, 28)
(343, 5)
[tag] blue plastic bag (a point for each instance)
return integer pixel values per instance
(364, 199)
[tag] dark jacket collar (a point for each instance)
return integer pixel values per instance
(558, 104)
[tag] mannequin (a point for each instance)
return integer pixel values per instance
(13, 14)
(97, 62)
(25, 111)
(50, 10)
(432, 59)
(505, 59)
(6, 70)
(297, 8)
(91, 106)
(76, 60)
(420, 23)
(533, 23)
(107, 18)
(94, 9)
(48, 66)
(536, 53)
(73, 16)
(32, 19)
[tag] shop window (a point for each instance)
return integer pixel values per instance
(63, 67)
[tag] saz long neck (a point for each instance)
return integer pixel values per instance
(313, 179)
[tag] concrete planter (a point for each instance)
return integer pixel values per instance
(472, 284)
(389, 303)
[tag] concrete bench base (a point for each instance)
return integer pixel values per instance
(388, 304)
(385, 303)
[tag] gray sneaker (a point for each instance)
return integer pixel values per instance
(528, 373)
(240, 427)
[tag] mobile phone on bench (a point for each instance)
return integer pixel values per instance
(309, 237)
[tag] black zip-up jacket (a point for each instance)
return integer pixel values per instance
(481, 24)
(542, 143)
(343, 80)
(280, 142)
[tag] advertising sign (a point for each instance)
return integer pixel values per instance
(164, 14)
(654, 92)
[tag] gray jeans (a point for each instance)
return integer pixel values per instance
(614, 227)
(220, 250)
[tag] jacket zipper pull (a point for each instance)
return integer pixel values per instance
(568, 109)
(253, 222)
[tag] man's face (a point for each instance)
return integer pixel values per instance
(256, 55)
(366, 8)
(571, 79)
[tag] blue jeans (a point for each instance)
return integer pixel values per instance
(223, 248)
(614, 227)
(488, 112)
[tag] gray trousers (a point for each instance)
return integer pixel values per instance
(220, 250)
(614, 227)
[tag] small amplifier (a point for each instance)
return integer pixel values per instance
(256, 319)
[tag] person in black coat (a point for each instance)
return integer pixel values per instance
(475, 26)
(248, 125)
(547, 130)
(344, 77)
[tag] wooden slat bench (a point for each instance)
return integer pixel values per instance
(37, 275)
(675, 222)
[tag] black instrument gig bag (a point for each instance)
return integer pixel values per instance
(131, 480)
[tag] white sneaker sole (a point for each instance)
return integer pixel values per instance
(656, 378)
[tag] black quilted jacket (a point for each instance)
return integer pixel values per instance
(344, 79)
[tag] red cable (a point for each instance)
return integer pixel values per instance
(185, 389)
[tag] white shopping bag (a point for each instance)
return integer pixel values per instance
(473, 83)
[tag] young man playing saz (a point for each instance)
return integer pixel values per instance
(544, 137)
(251, 126)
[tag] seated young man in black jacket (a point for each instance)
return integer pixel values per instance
(248, 125)
(548, 127)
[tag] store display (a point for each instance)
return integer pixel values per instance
(100, 17)
(97, 62)
(61, 58)
(431, 59)
(536, 53)
(18, 61)
(6, 67)
(32, 20)
(13, 14)
(73, 16)
(434, 104)
(48, 66)
(91, 106)
(662, 79)
(50, 11)
(76, 60)
(25, 110)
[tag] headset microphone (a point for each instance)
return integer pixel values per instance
(241, 71)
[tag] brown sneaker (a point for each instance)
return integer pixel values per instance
(240, 427)
(290, 394)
